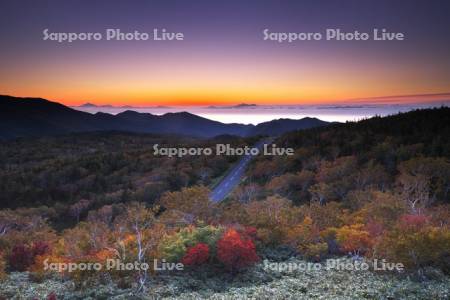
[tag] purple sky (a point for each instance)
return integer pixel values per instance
(223, 58)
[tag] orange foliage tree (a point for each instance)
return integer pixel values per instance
(193, 203)
(354, 239)
(305, 236)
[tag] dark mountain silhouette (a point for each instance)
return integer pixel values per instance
(32, 117)
(280, 126)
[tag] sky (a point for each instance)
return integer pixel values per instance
(223, 58)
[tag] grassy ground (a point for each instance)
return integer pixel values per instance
(259, 282)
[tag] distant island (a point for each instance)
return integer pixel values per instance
(91, 105)
(87, 104)
(242, 105)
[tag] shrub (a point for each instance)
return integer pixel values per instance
(193, 202)
(82, 277)
(52, 296)
(374, 229)
(2, 267)
(39, 248)
(440, 215)
(207, 234)
(196, 255)
(316, 251)
(415, 243)
(76, 241)
(250, 232)
(272, 217)
(382, 208)
(173, 247)
(38, 271)
(21, 258)
(306, 239)
(412, 222)
(329, 215)
(353, 239)
(235, 252)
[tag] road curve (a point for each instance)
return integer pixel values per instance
(235, 175)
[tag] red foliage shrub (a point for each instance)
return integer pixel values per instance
(413, 221)
(374, 229)
(52, 296)
(235, 252)
(39, 248)
(22, 256)
(251, 232)
(196, 255)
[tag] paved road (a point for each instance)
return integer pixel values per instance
(235, 175)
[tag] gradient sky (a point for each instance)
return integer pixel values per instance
(223, 59)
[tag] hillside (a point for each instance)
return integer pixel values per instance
(377, 189)
(34, 117)
(333, 163)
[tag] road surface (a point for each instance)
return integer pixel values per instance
(235, 175)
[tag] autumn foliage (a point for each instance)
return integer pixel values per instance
(235, 252)
(416, 243)
(196, 255)
(2, 267)
(306, 238)
(377, 188)
(354, 239)
(22, 256)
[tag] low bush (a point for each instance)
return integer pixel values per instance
(173, 247)
(416, 243)
(236, 252)
(354, 239)
(196, 255)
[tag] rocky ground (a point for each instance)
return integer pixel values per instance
(258, 283)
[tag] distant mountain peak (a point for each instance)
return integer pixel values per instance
(242, 105)
(180, 113)
(87, 104)
(133, 113)
(128, 112)
(90, 105)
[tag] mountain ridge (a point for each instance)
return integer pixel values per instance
(33, 117)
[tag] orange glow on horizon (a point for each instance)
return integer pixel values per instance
(216, 101)
(219, 79)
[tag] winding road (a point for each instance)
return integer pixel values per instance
(235, 175)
